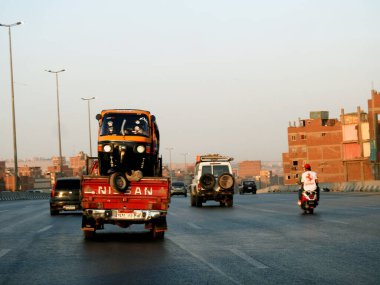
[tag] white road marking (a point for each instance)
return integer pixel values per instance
(194, 226)
(4, 252)
(247, 258)
(335, 221)
(268, 211)
(200, 258)
(44, 229)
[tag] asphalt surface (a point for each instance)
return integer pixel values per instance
(263, 239)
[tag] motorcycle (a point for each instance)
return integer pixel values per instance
(308, 201)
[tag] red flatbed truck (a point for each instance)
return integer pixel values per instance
(124, 185)
(143, 202)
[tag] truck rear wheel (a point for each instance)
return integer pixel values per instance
(192, 201)
(157, 234)
(230, 203)
(88, 235)
(198, 201)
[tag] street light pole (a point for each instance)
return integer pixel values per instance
(185, 155)
(170, 161)
(89, 121)
(16, 186)
(59, 120)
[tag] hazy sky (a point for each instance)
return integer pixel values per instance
(221, 76)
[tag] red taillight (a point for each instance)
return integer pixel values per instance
(53, 191)
(199, 186)
(147, 149)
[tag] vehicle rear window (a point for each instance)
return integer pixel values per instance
(73, 184)
(178, 184)
(249, 183)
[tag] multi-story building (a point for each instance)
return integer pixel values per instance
(374, 131)
(317, 141)
(2, 175)
(78, 163)
(249, 168)
(338, 150)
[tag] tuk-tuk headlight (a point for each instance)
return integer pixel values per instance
(107, 148)
(140, 149)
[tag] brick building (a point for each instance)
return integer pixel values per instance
(249, 168)
(78, 163)
(2, 175)
(338, 150)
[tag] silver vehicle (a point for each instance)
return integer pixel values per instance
(178, 188)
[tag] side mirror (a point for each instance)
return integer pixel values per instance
(98, 117)
(153, 118)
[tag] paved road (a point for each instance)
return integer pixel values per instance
(263, 239)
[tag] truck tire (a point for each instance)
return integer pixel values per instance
(192, 201)
(207, 181)
(198, 202)
(89, 235)
(119, 182)
(155, 235)
(229, 203)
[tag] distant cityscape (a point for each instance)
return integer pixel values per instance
(339, 150)
(40, 173)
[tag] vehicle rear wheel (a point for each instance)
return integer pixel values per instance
(198, 201)
(192, 201)
(156, 234)
(230, 203)
(88, 235)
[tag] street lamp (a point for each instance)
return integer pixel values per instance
(170, 160)
(16, 186)
(185, 155)
(59, 120)
(89, 121)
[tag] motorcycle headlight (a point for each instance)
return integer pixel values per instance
(107, 148)
(140, 149)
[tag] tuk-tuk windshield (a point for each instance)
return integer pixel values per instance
(124, 125)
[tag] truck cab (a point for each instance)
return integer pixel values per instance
(213, 180)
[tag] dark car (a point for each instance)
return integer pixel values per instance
(247, 186)
(178, 188)
(65, 195)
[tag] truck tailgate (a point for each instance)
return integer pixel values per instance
(146, 194)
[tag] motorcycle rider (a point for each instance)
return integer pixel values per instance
(309, 181)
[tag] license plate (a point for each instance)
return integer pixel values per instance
(69, 208)
(129, 216)
(250, 188)
(311, 202)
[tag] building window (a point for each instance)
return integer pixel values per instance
(323, 134)
(303, 137)
(288, 177)
(293, 138)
